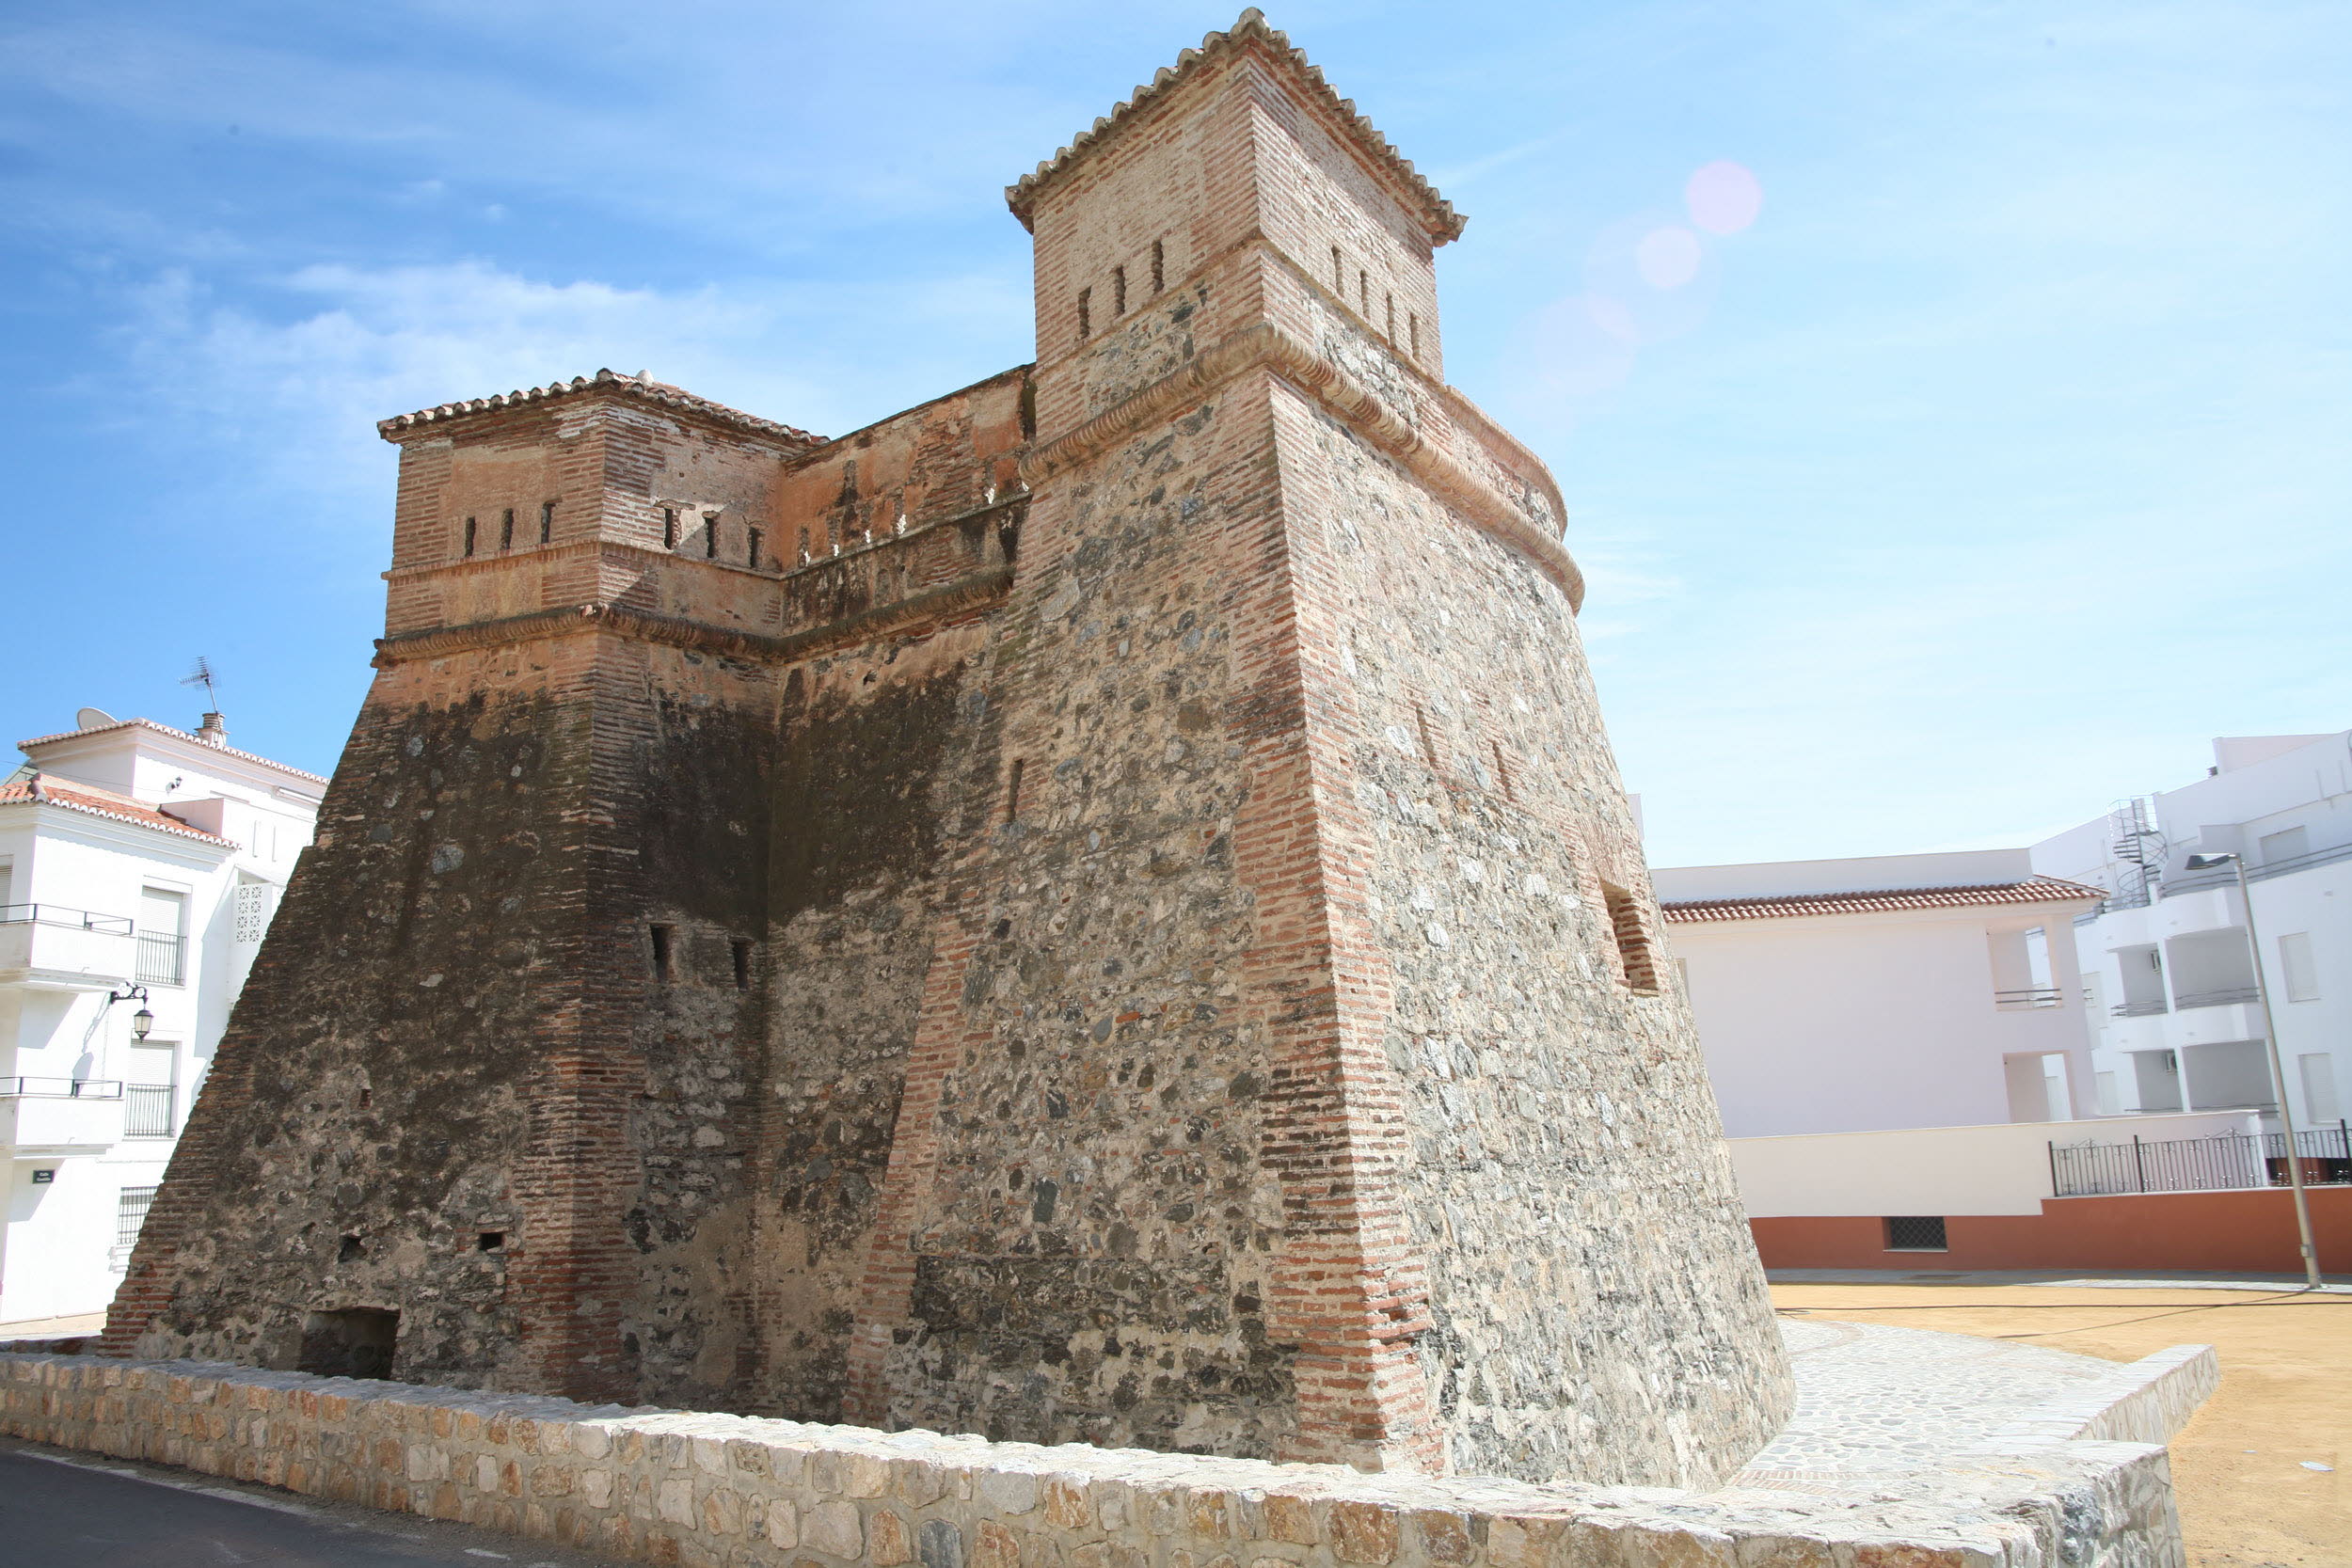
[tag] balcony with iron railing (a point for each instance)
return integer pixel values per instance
(2140, 1010)
(2030, 998)
(51, 946)
(2222, 997)
(146, 1111)
(163, 959)
(66, 1115)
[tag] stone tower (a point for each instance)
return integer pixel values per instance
(1097, 908)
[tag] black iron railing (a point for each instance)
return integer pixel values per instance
(60, 1088)
(163, 959)
(146, 1111)
(57, 914)
(2035, 996)
(2200, 1164)
(2138, 1010)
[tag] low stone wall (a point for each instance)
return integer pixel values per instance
(2146, 1400)
(707, 1491)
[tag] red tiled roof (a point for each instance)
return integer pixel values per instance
(2034, 889)
(1437, 215)
(166, 729)
(631, 386)
(43, 789)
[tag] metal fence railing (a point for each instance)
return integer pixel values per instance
(162, 958)
(2199, 1165)
(2034, 996)
(57, 914)
(146, 1111)
(60, 1088)
(2222, 997)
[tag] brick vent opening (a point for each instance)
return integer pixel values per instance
(1631, 934)
(1915, 1233)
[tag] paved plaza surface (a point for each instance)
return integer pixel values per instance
(2258, 1472)
(60, 1510)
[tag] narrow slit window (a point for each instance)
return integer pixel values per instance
(1012, 790)
(742, 964)
(1412, 333)
(1339, 270)
(470, 535)
(751, 547)
(669, 528)
(710, 538)
(1631, 934)
(664, 969)
(1086, 315)
(1363, 292)
(546, 521)
(1390, 301)
(1159, 265)
(1119, 293)
(506, 530)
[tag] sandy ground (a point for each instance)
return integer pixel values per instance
(35, 1328)
(2245, 1499)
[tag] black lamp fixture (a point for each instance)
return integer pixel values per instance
(142, 1021)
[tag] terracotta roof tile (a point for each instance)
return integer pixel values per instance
(639, 386)
(1437, 215)
(43, 789)
(2034, 889)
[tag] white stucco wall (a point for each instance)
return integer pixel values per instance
(2000, 1168)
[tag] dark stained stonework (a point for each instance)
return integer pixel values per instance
(1096, 909)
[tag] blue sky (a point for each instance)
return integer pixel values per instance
(1999, 464)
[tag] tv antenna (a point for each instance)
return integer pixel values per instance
(202, 675)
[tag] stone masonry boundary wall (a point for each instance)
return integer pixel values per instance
(2145, 1401)
(708, 1491)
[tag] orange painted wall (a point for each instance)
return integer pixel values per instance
(2249, 1230)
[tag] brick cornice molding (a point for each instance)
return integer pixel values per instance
(965, 592)
(1250, 34)
(1348, 399)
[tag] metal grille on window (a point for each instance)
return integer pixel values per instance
(132, 1214)
(1914, 1233)
(162, 948)
(146, 1111)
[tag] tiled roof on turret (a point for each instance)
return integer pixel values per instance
(638, 386)
(1437, 215)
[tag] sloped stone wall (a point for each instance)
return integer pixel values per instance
(704, 1491)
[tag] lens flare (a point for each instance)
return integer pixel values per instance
(1667, 258)
(1723, 197)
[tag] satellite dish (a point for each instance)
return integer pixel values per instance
(93, 719)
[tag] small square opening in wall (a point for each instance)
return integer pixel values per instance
(490, 1240)
(1915, 1233)
(356, 1341)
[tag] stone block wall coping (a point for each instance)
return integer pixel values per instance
(684, 1487)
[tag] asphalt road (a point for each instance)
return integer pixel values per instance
(60, 1510)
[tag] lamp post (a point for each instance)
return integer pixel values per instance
(2277, 1065)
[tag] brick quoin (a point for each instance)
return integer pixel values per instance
(1096, 909)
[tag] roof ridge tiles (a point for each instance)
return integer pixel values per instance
(40, 789)
(641, 385)
(1437, 215)
(2032, 889)
(182, 735)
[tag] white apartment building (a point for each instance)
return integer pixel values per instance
(1887, 991)
(139, 866)
(2175, 1016)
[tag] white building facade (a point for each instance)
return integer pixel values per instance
(1887, 991)
(139, 866)
(2168, 960)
